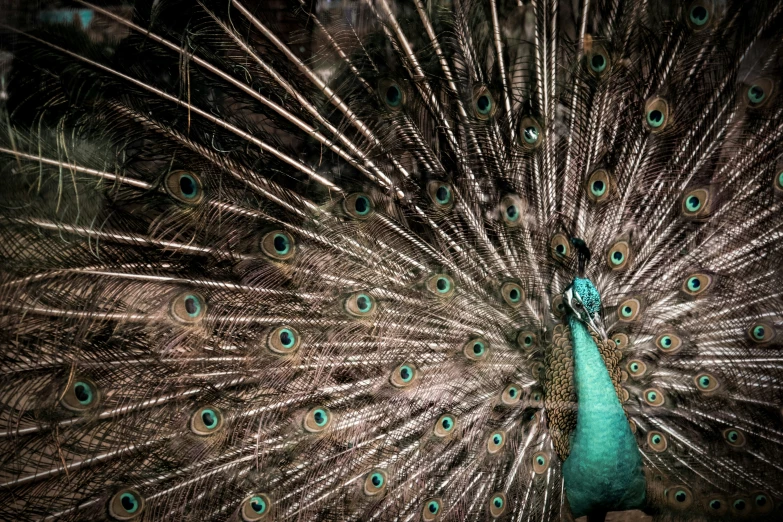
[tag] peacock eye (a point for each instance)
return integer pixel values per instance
(497, 504)
(476, 349)
(441, 285)
(629, 310)
(526, 339)
(512, 294)
(510, 395)
(779, 181)
(82, 395)
(653, 397)
(496, 442)
(679, 497)
(598, 185)
(256, 507)
(283, 340)
(734, 437)
(317, 420)
(206, 421)
(657, 441)
(126, 504)
(403, 375)
(637, 368)
(278, 245)
(598, 61)
(620, 340)
(761, 332)
(360, 304)
(717, 506)
(759, 92)
(668, 343)
(559, 246)
(358, 206)
(444, 426)
(540, 462)
(696, 284)
(763, 503)
(511, 209)
(391, 93)
(431, 509)
(656, 114)
(739, 505)
(698, 15)
(184, 186)
(558, 306)
(441, 194)
(706, 382)
(483, 103)
(617, 256)
(696, 203)
(375, 482)
(530, 133)
(188, 308)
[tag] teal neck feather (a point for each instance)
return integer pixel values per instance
(603, 471)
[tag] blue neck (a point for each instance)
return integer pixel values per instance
(603, 471)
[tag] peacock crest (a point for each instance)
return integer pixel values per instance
(432, 260)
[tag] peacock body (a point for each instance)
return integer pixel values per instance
(415, 260)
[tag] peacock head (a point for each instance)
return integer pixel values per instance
(584, 301)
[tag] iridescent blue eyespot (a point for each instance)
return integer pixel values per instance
(83, 392)
(699, 15)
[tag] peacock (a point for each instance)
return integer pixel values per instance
(438, 260)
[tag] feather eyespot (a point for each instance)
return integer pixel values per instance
(358, 206)
(441, 194)
(668, 342)
(540, 462)
(495, 442)
(734, 437)
(597, 60)
(512, 294)
(636, 368)
(82, 395)
(483, 105)
(599, 186)
(375, 482)
(679, 497)
(188, 308)
(256, 507)
(762, 502)
(778, 182)
(184, 186)
(476, 349)
(699, 14)
(317, 420)
(696, 284)
(618, 255)
(653, 397)
(716, 505)
(497, 504)
(559, 246)
(696, 203)
(431, 509)
(360, 304)
(278, 245)
(740, 507)
(629, 310)
(621, 340)
(126, 504)
(761, 332)
(656, 114)
(558, 306)
(283, 340)
(391, 93)
(445, 425)
(759, 92)
(206, 421)
(657, 441)
(706, 382)
(530, 135)
(403, 375)
(441, 285)
(511, 210)
(511, 395)
(527, 340)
